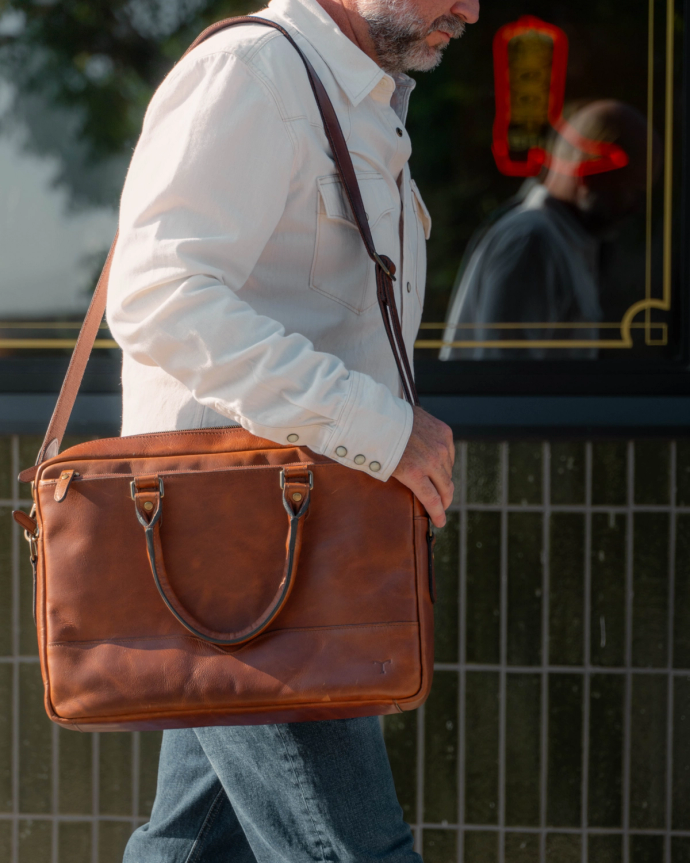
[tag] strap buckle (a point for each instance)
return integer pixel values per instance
(133, 488)
(282, 478)
(381, 264)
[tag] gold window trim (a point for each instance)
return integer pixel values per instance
(48, 343)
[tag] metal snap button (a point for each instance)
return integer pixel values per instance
(341, 451)
(360, 459)
(375, 466)
(399, 132)
(293, 438)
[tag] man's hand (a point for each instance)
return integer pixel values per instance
(426, 466)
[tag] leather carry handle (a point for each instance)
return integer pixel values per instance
(385, 269)
(147, 492)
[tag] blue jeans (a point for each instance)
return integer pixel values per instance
(293, 793)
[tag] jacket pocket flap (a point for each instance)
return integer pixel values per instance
(375, 195)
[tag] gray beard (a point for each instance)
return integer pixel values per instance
(398, 35)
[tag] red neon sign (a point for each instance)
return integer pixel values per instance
(530, 67)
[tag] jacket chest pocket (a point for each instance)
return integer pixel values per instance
(342, 270)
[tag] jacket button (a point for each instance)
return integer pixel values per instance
(409, 288)
(360, 459)
(399, 132)
(375, 466)
(293, 438)
(341, 451)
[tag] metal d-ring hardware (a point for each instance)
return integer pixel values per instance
(282, 478)
(133, 489)
(32, 538)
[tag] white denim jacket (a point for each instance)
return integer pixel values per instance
(240, 290)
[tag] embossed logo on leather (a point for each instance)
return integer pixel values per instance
(383, 664)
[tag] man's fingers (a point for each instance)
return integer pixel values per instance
(447, 446)
(443, 457)
(443, 484)
(427, 465)
(441, 453)
(430, 499)
(438, 489)
(451, 456)
(439, 469)
(451, 447)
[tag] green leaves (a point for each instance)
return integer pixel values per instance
(83, 72)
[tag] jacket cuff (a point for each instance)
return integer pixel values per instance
(373, 429)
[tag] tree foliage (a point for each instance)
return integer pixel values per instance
(83, 71)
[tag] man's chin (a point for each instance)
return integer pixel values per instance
(426, 60)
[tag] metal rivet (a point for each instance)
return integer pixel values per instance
(148, 506)
(375, 466)
(399, 132)
(341, 451)
(360, 459)
(297, 496)
(409, 288)
(65, 475)
(293, 438)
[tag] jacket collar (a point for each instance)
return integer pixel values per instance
(355, 73)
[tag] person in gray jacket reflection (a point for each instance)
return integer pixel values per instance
(539, 261)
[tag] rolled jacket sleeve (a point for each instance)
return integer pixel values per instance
(206, 189)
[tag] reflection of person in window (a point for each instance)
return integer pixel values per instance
(538, 263)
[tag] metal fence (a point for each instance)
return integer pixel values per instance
(556, 729)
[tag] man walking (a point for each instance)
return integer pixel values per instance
(241, 293)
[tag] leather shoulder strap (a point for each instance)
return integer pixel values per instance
(385, 269)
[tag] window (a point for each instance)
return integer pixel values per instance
(555, 179)
(549, 146)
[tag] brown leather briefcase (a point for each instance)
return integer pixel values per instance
(210, 577)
